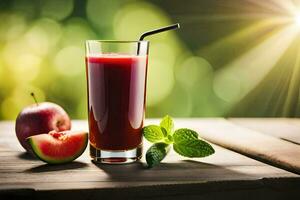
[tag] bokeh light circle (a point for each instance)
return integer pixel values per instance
(101, 13)
(192, 70)
(50, 30)
(23, 65)
(76, 31)
(37, 40)
(227, 86)
(69, 61)
(160, 81)
(57, 9)
(15, 26)
(26, 8)
(18, 99)
(136, 18)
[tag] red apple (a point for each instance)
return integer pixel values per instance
(40, 118)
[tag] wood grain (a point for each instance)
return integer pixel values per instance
(225, 174)
(283, 128)
(252, 143)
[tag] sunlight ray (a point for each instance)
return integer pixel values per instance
(291, 100)
(279, 97)
(233, 17)
(242, 37)
(250, 68)
(270, 92)
(277, 5)
(269, 4)
(277, 92)
(288, 5)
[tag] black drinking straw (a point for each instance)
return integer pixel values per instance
(155, 31)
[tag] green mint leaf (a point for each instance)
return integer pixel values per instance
(168, 139)
(194, 149)
(153, 133)
(186, 143)
(164, 131)
(184, 134)
(156, 153)
(168, 124)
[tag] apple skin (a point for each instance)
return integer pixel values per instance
(40, 118)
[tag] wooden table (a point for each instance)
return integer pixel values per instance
(226, 174)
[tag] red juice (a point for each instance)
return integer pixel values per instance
(116, 100)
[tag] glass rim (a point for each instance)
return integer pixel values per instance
(118, 41)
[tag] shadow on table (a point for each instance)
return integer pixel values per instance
(60, 167)
(185, 170)
(26, 156)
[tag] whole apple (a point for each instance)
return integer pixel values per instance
(40, 118)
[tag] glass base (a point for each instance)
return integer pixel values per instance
(115, 157)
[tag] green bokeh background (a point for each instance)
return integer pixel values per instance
(230, 58)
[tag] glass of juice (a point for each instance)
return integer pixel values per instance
(116, 74)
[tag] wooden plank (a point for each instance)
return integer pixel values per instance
(222, 166)
(275, 189)
(285, 128)
(260, 146)
(225, 173)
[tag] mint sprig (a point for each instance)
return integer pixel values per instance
(185, 142)
(156, 153)
(168, 124)
(153, 133)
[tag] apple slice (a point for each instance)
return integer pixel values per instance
(59, 147)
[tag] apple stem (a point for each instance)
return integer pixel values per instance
(33, 96)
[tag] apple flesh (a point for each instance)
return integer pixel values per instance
(38, 119)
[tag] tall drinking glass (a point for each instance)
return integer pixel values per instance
(116, 74)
